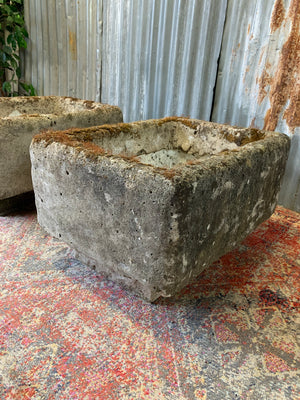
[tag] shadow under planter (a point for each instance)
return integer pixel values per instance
(21, 202)
(23, 117)
(153, 203)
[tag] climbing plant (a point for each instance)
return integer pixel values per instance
(13, 35)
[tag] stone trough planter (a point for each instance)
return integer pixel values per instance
(152, 203)
(23, 117)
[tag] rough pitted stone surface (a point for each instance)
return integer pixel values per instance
(23, 117)
(152, 203)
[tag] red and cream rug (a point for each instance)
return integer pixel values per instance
(68, 333)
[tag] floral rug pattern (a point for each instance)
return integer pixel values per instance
(68, 333)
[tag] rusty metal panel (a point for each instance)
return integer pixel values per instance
(259, 76)
(63, 56)
(160, 56)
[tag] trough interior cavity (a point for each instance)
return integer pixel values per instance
(167, 144)
(14, 107)
(166, 158)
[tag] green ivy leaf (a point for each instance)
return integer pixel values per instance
(9, 38)
(18, 72)
(16, 56)
(7, 9)
(7, 50)
(12, 21)
(9, 28)
(29, 89)
(6, 87)
(14, 64)
(14, 44)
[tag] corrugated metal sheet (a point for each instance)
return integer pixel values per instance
(64, 53)
(259, 76)
(160, 56)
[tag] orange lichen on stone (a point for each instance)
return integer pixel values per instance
(68, 137)
(249, 135)
(278, 15)
(184, 120)
(167, 173)
(129, 158)
(92, 149)
(255, 135)
(89, 104)
(285, 85)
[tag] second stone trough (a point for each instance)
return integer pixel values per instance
(23, 117)
(152, 203)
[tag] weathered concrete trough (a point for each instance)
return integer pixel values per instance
(152, 203)
(23, 117)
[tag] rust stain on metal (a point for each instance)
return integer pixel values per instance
(285, 84)
(263, 49)
(264, 81)
(278, 15)
(73, 45)
(253, 123)
(244, 77)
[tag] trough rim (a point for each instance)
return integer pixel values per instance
(80, 139)
(90, 106)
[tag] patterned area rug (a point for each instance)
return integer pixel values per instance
(68, 333)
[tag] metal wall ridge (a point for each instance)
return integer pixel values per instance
(232, 61)
(160, 56)
(258, 81)
(64, 49)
